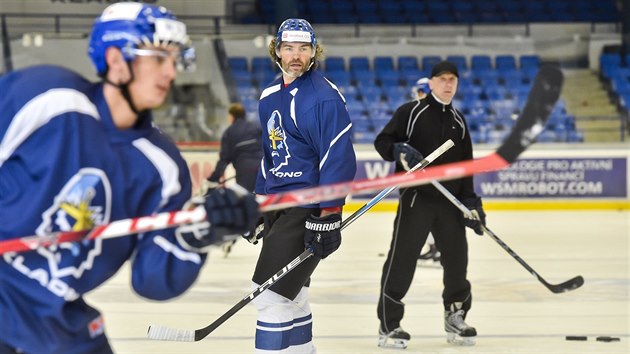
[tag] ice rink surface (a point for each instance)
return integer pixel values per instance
(512, 311)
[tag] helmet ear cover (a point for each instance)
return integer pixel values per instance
(129, 26)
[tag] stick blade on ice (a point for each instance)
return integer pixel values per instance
(158, 332)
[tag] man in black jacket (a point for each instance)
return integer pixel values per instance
(240, 146)
(416, 129)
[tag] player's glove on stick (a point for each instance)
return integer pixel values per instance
(258, 233)
(406, 155)
(475, 207)
(323, 234)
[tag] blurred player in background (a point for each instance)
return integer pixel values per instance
(306, 143)
(420, 89)
(241, 147)
(405, 139)
(76, 154)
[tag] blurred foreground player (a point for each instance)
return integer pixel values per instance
(306, 143)
(75, 154)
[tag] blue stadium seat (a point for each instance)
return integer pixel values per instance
(262, 63)
(406, 63)
(429, 61)
(388, 78)
(382, 63)
(334, 64)
(458, 60)
(529, 61)
(502, 62)
(359, 64)
(238, 63)
(480, 62)
(339, 78)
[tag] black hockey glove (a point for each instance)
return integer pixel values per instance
(231, 213)
(227, 213)
(323, 234)
(406, 155)
(258, 233)
(474, 205)
(196, 237)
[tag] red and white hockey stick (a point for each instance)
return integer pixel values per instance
(542, 98)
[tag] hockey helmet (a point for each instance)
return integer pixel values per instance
(296, 30)
(130, 25)
(420, 85)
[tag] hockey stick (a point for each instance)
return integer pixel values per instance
(159, 332)
(542, 98)
(568, 285)
(159, 221)
(385, 192)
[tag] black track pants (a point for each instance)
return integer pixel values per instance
(418, 215)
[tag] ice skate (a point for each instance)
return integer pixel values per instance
(397, 339)
(457, 331)
(429, 256)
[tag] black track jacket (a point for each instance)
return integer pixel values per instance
(426, 124)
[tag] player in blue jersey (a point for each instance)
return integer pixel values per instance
(306, 143)
(76, 154)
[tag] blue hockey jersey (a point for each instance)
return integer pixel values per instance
(65, 166)
(306, 136)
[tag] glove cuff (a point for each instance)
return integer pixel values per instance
(329, 222)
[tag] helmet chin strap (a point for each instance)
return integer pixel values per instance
(295, 76)
(124, 89)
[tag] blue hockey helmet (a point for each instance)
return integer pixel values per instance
(296, 30)
(130, 25)
(422, 85)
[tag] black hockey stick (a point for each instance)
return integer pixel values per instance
(542, 98)
(568, 285)
(159, 332)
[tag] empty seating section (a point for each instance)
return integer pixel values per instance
(491, 94)
(444, 11)
(616, 73)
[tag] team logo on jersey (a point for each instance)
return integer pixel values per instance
(280, 153)
(84, 202)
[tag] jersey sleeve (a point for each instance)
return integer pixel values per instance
(161, 267)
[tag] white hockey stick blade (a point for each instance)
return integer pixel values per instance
(158, 332)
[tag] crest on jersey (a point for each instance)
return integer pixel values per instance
(84, 202)
(277, 142)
